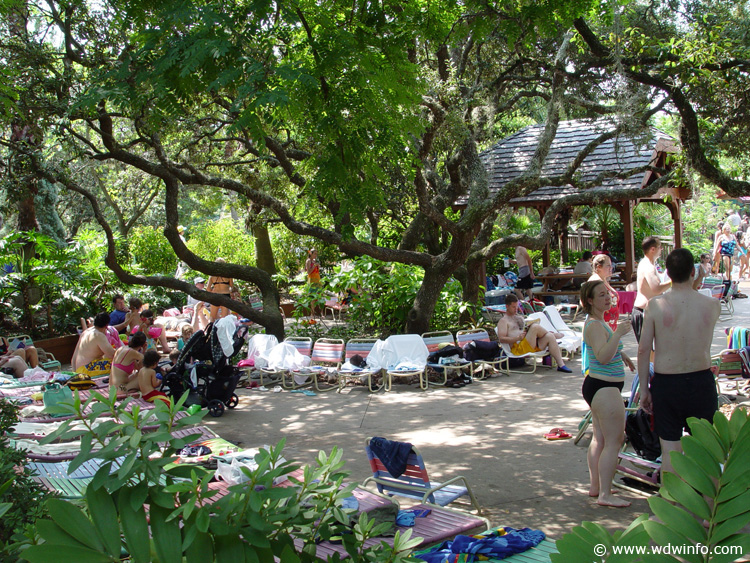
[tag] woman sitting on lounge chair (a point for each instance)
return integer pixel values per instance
(604, 380)
(17, 359)
(126, 363)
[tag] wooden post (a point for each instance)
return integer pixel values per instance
(676, 209)
(626, 216)
(545, 250)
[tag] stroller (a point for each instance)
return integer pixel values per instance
(204, 370)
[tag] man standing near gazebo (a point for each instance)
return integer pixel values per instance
(649, 284)
(525, 273)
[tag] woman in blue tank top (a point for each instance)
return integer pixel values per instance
(603, 382)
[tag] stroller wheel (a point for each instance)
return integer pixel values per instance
(233, 401)
(216, 408)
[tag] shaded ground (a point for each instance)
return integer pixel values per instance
(490, 432)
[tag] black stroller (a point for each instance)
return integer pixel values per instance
(206, 372)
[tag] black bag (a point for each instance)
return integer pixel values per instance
(481, 350)
(644, 440)
(444, 352)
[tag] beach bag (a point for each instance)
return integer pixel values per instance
(53, 395)
(81, 382)
(641, 436)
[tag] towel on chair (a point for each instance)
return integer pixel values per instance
(394, 455)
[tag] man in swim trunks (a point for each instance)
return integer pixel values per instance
(93, 353)
(510, 330)
(649, 284)
(681, 326)
(525, 273)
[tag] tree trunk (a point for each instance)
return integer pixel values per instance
(263, 250)
(471, 283)
(434, 280)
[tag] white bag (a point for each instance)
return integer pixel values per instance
(229, 466)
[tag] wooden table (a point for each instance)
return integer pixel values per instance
(547, 279)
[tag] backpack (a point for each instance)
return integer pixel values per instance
(641, 436)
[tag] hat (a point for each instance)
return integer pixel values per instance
(199, 280)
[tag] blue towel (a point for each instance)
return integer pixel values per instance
(405, 518)
(394, 455)
(492, 545)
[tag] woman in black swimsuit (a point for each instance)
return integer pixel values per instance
(224, 286)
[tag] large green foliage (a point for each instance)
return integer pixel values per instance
(711, 485)
(155, 511)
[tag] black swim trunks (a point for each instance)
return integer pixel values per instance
(525, 282)
(636, 319)
(591, 385)
(679, 396)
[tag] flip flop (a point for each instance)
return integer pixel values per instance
(304, 392)
(557, 434)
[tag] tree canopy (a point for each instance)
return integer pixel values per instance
(341, 120)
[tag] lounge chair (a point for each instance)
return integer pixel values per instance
(439, 525)
(407, 357)
(569, 342)
(433, 340)
(463, 337)
(414, 482)
(329, 351)
(718, 289)
(359, 347)
(333, 305)
(303, 344)
(47, 361)
(561, 326)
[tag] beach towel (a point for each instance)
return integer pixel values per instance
(394, 455)
(492, 545)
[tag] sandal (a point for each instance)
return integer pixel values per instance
(557, 434)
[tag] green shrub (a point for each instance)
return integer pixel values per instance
(151, 251)
(23, 495)
(224, 238)
(154, 512)
(703, 505)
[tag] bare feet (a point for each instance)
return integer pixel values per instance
(611, 500)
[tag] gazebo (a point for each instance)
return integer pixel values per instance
(510, 157)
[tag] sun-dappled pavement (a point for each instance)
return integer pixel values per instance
(491, 432)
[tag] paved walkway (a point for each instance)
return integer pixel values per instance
(490, 432)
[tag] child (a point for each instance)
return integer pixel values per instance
(148, 380)
(185, 333)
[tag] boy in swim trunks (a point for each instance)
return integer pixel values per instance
(680, 326)
(148, 380)
(510, 330)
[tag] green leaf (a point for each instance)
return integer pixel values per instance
(64, 554)
(708, 437)
(692, 474)
(676, 518)
(734, 507)
(104, 516)
(739, 541)
(54, 534)
(664, 535)
(686, 495)
(729, 527)
(134, 526)
(202, 519)
(72, 519)
(229, 548)
(166, 534)
(698, 453)
(201, 550)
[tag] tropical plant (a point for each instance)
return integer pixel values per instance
(21, 498)
(151, 252)
(154, 510)
(702, 507)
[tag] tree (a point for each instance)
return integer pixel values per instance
(374, 112)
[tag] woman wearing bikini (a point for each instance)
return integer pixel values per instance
(602, 385)
(126, 363)
(223, 286)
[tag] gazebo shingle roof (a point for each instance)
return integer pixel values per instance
(510, 157)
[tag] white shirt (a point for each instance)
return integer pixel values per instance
(584, 267)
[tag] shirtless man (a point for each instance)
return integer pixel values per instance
(683, 384)
(525, 273)
(510, 330)
(93, 353)
(648, 283)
